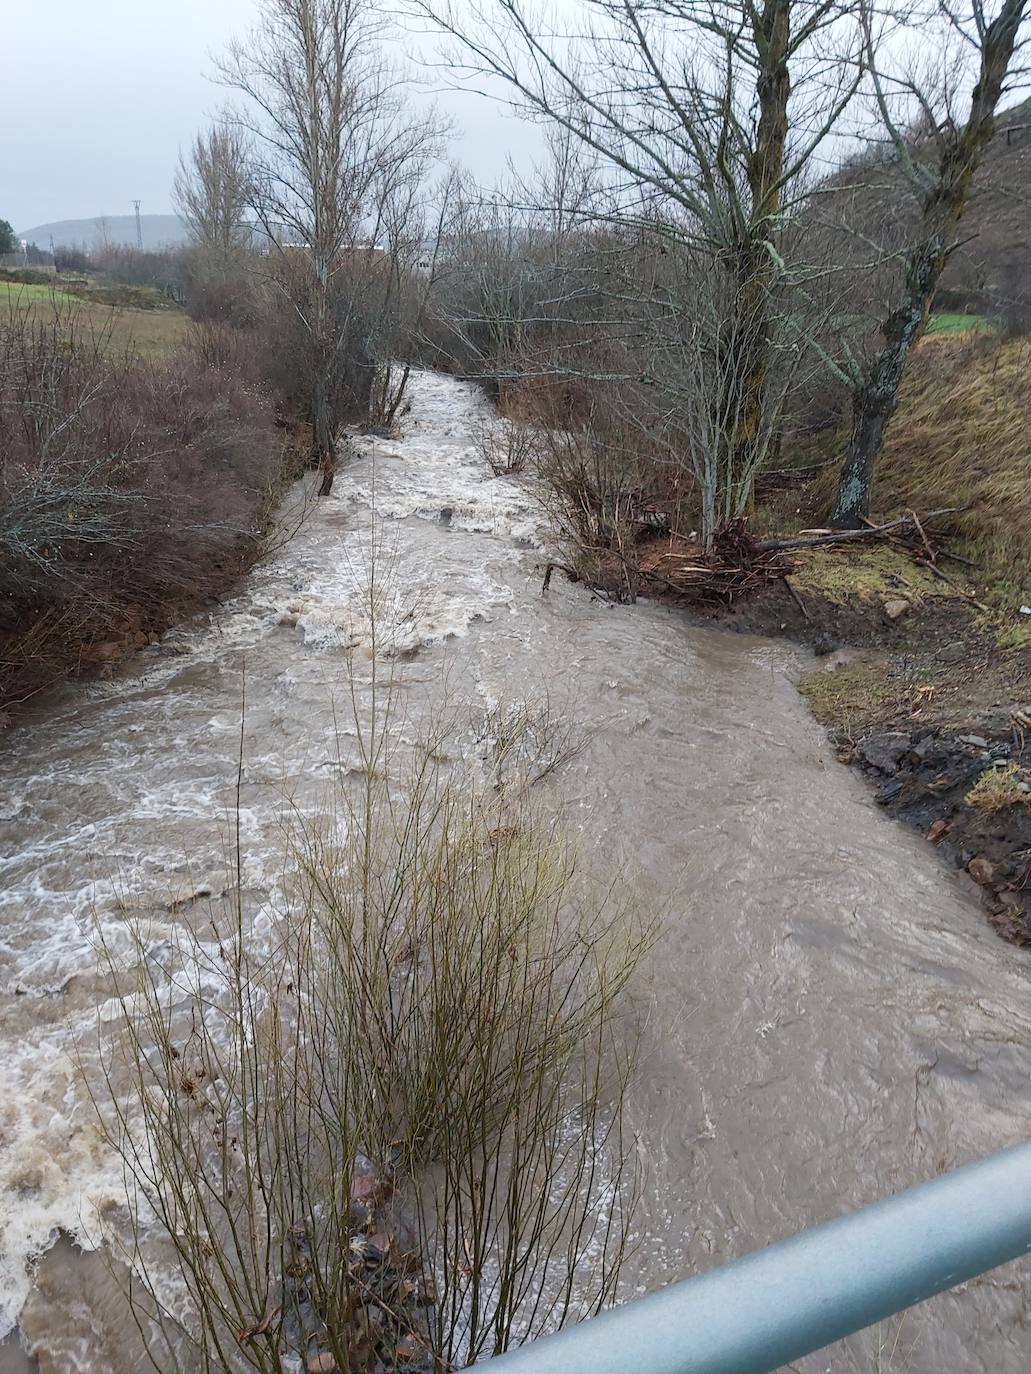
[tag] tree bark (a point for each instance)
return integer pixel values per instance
(875, 402)
(771, 28)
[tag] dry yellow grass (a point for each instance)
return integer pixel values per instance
(962, 436)
(1000, 787)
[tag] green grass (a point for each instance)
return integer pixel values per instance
(952, 322)
(19, 296)
(151, 333)
(1015, 636)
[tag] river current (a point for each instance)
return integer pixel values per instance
(830, 1018)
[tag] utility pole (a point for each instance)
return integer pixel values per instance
(139, 226)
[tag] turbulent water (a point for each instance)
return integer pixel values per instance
(831, 1018)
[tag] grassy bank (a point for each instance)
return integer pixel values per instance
(154, 331)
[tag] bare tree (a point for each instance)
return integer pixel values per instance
(706, 116)
(332, 142)
(938, 153)
(212, 190)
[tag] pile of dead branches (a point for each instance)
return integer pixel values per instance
(739, 563)
(736, 566)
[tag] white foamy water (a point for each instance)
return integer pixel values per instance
(831, 1019)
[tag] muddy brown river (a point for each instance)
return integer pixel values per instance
(830, 1020)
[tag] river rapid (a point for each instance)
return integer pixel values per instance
(829, 1020)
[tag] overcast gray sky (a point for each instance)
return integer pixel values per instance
(98, 96)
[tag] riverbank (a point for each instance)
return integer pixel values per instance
(923, 636)
(929, 699)
(145, 496)
(926, 685)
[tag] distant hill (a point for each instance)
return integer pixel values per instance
(158, 230)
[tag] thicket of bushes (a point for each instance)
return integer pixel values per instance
(130, 491)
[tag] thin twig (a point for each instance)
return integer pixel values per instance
(798, 600)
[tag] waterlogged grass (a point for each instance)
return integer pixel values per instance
(853, 691)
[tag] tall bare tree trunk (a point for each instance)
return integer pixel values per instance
(874, 402)
(756, 263)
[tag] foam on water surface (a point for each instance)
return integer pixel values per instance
(118, 803)
(828, 1020)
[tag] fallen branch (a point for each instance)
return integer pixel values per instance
(958, 558)
(931, 568)
(571, 573)
(798, 600)
(931, 556)
(845, 536)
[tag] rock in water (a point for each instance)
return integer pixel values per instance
(981, 871)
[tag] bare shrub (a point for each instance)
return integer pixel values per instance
(508, 447)
(608, 479)
(526, 741)
(129, 491)
(430, 1033)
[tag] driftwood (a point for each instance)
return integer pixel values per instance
(846, 536)
(550, 567)
(735, 566)
(739, 564)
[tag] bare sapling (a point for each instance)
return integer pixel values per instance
(389, 1130)
(334, 147)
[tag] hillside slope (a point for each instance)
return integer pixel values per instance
(158, 231)
(990, 270)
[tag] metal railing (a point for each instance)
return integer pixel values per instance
(778, 1304)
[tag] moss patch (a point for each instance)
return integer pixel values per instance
(850, 693)
(1000, 787)
(864, 574)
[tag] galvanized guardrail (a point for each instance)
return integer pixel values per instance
(778, 1304)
